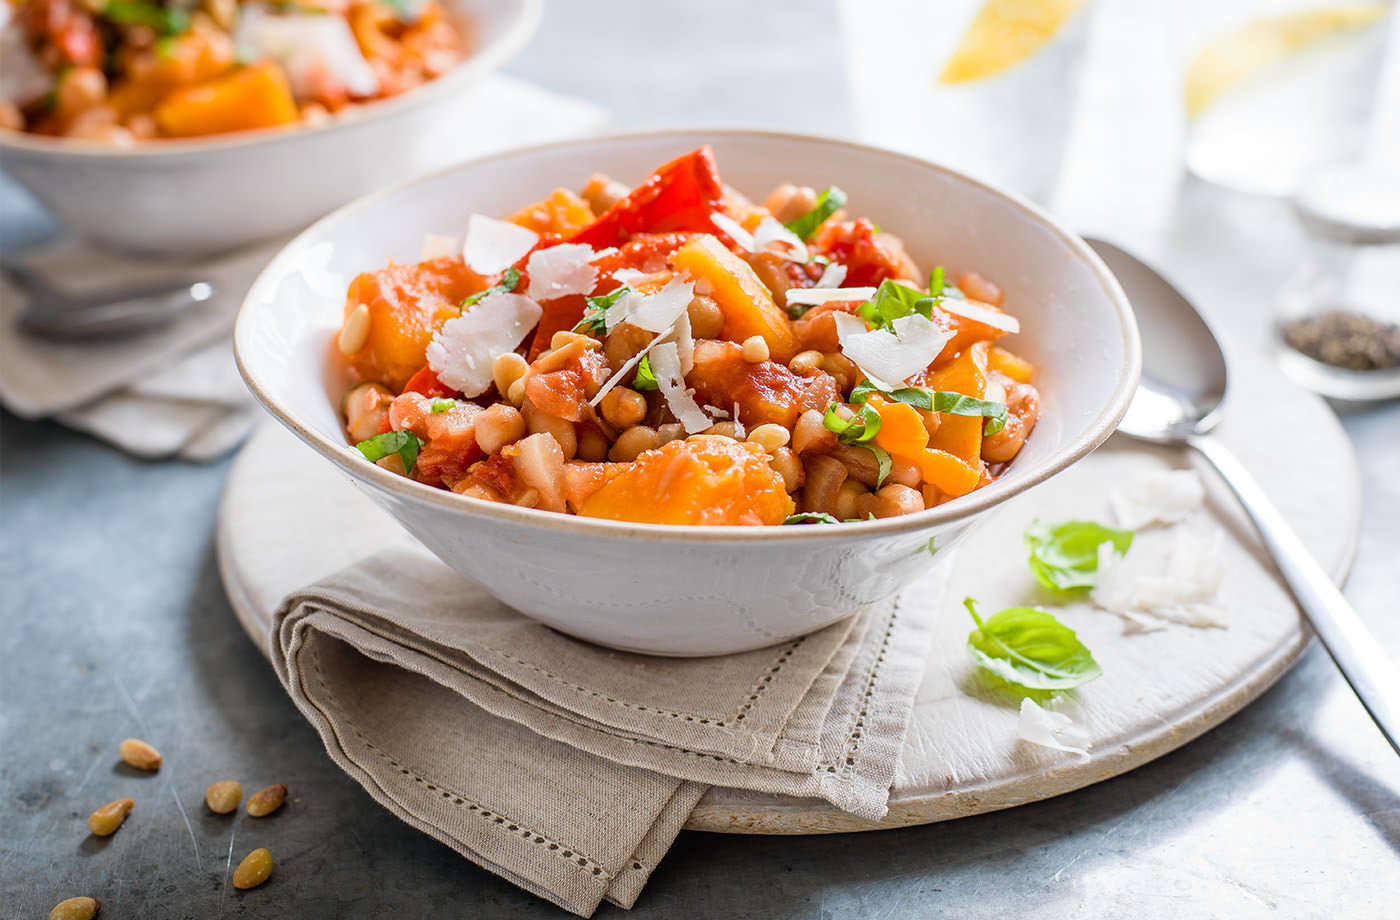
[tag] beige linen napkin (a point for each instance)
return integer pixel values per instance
(569, 768)
(174, 391)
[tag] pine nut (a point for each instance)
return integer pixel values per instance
(566, 337)
(723, 430)
(755, 349)
(137, 753)
(507, 369)
(516, 395)
(265, 801)
(355, 333)
(622, 408)
(770, 436)
(254, 869)
(223, 797)
(105, 821)
(806, 362)
(75, 909)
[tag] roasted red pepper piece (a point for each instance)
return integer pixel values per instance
(681, 195)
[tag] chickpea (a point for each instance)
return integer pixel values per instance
(789, 202)
(517, 392)
(890, 500)
(498, 426)
(674, 431)
(632, 442)
(904, 472)
(824, 477)
(506, 370)
(537, 421)
(806, 363)
(706, 318)
(1023, 409)
(842, 368)
(978, 288)
(143, 126)
(786, 465)
(81, 88)
(847, 497)
(930, 419)
(622, 408)
(592, 446)
(623, 342)
(755, 349)
(810, 433)
(770, 436)
(11, 118)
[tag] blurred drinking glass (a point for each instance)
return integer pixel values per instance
(1276, 87)
(984, 86)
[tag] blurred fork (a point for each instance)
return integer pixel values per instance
(55, 314)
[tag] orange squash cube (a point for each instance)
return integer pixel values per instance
(256, 96)
(747, 305)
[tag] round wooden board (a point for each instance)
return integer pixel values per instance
(288, 519)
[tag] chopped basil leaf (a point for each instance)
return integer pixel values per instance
(894, 301)
(811, 517)
(935, 282)
(857, 429)
(828, 203)
(403, 443)
(915, 396)
(407, 10)
(593, 322)
(440, 406)
(144, 13)
(1029, 648)
(646, 378)
(958, 404)
(883, 462)
(509, 280)
(1065, 557)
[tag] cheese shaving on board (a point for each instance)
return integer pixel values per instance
(1051, 728)
(465, 347)
(833, 275)
(980, 314)
(561, 270)
(818, 295)
(666, 367)
(1133, 588)
(890, 358)
(437, 247)
(493, 246)
(1158, 496)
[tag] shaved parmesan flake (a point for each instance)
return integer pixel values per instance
(739, 430)
(815, 295)
(625, 371)
(629, 276)
(730, 227)
(771, 236)
(617, 314)
(890, 358)
(603, 252)
(437, 247)
(1158, 496)
(1131, 586)
(658, 312)
(666, 366)
(685, 341)
(979, 314)
(833, 275)
(311, 49)
(1051, 728)
(561, 270)
(495, 245)
(463, 350)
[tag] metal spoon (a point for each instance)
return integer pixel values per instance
(55, 314)
(1178, 403)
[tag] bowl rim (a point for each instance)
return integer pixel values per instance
(967, 506)
(486, 59)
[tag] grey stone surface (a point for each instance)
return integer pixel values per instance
(115, 625)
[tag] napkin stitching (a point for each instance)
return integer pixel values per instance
(457, 798)
(853, 745)
(764, 683)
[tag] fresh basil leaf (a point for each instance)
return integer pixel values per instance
(403, 443)
(811, 517)
(1065, 557)
(1029, 648)
(407, 10)
(857, 429)
(828, 203)
(915, 396)
(509, 280)
(883, 462)
(593, 322)
(892, 301)
(646, 378)
(935, 282)
(162, 21)
(439, 406)
(958, 404)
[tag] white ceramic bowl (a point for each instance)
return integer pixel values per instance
(700, 590)
(208, 195)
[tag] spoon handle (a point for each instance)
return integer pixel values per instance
(1371, 673)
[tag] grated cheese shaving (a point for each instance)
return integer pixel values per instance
(629, 276)
(465, 347)
(1053, 728)
(666, 367)
(437, 247)
(1184, 593)
(685, 341)
(833, 275)
(891, 358)
(817, 295)
(771, 236)
(729, 226)
(1157, 496)
(561, 270)
(311, 50)
(980, 314)
(658, 312)
(493, 246)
